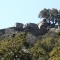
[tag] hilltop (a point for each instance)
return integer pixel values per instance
(27, 46)
(36, 29)
(32, 41)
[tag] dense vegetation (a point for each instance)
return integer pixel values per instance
(46, 48)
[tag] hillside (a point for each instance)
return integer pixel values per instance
(31, 41)
(27, 46)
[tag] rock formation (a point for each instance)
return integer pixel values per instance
(19, 26)
(30, 26)
(33, 28)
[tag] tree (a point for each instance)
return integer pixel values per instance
(51, 15)
(44, 13)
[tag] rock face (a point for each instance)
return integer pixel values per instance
(10, 30)
(30, 26)
(2, 31)
(33, 28)
(42, 24)
(19, 26)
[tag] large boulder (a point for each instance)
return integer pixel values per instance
(19, 26)
(2, 31)
(30, 26)
(43, 26)
(10, 30)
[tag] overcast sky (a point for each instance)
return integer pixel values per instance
(23, 11)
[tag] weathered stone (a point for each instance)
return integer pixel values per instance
(30, 26)
(35, 29)
(19, 26)
(2, 31)
(42, 24)
(10, 30)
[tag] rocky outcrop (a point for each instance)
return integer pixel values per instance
(33, 28)
(43, 26)
(2, 31)
(10, 30)
(30, 26)
(19, 26)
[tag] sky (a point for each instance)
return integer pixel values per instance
(23, 11)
